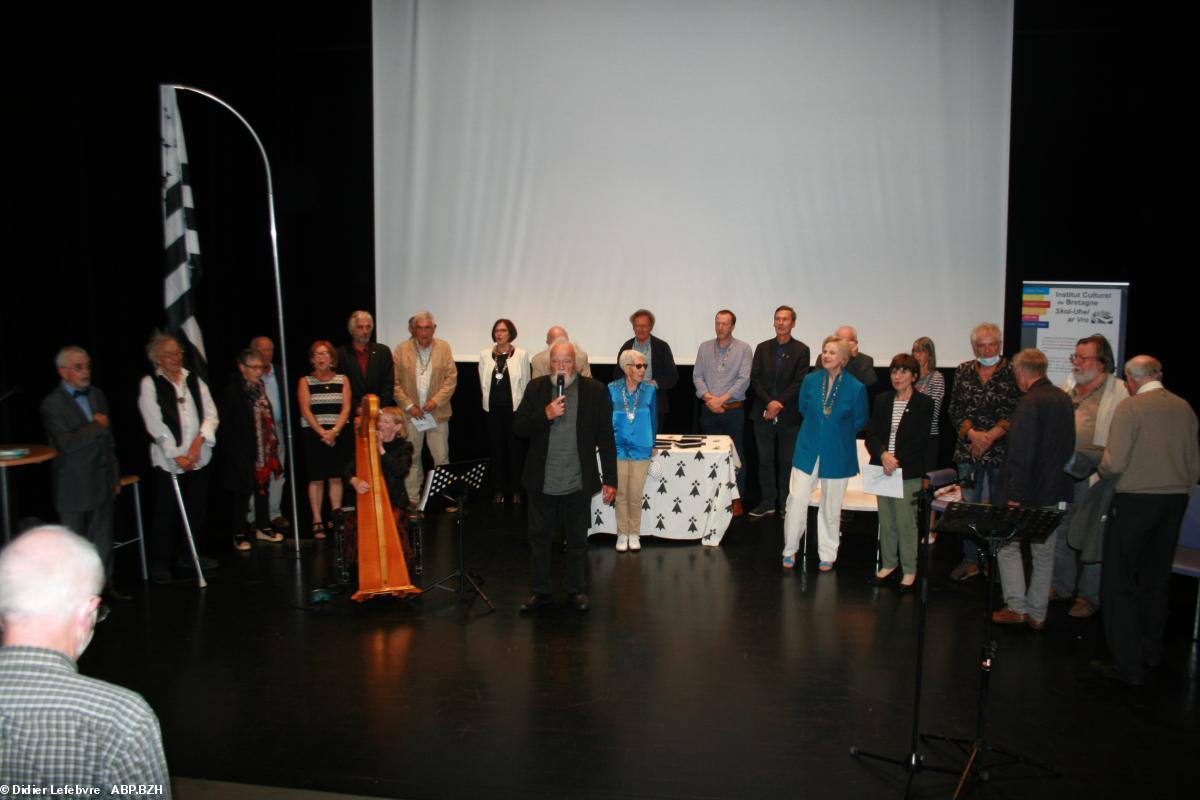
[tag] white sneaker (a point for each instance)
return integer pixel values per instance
(635, 541)
(622, 543)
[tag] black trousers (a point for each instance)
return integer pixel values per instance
(95, 525)
(548, 513)
(507, 451)
(166, 531)
(1139, 548)
(262, 511)
(776, 446)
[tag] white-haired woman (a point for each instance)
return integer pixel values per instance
(834, 406)
(635, 424)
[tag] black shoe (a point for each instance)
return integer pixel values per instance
(535, 602)
(762, 510)
(876, 580)
(579, 601)
(906, 588)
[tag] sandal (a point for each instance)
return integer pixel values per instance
(825, 566)
(240, 542)
(789, 562)
(318, 530)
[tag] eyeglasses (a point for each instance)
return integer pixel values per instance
(638, 366)
(1076, 358)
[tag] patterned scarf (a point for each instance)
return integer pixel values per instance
(266, 460)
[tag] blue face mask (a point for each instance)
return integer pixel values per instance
(990, 361)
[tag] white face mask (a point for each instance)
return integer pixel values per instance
(989, 361)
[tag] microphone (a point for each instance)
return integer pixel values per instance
(562, 386)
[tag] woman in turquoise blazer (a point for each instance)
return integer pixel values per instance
(834, 406)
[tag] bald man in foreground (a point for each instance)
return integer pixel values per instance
(58, 728)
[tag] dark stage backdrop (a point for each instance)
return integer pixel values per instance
(1103, 177)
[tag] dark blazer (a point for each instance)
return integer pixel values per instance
(662, 362)
(593, 431)
(1041, 440)
(86, 472)
(793, 368)
(380, 378)
(237, 448)
(912, 435)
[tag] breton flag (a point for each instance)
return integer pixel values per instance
(180, 240)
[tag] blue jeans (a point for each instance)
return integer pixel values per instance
(733, 424)
(977, 494)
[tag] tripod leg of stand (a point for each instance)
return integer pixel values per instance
(187, 528)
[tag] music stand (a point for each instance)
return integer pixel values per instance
(459, 477)
(992, 526)
(914, 762)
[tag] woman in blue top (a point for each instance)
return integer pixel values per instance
(635, 424)
(834, 406)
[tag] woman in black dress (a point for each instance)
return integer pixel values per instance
(249, 449)
(324, 398)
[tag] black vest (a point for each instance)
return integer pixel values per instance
(168, 402)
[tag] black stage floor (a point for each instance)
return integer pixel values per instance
(698, 673)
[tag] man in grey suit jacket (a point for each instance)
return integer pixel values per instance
(86, 475)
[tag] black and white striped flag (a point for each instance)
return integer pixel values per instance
(182, 243)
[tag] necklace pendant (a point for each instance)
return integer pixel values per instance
(827, 410)
(629, 415)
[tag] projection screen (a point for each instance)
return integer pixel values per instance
(569, 161)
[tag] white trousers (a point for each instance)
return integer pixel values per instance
(829, 514)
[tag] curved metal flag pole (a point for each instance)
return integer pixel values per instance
(283, 359)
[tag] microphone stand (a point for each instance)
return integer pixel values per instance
(914, 762)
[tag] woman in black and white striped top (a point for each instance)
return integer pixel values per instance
(897, 437)
(933, 385)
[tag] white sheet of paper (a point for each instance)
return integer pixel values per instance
(875, 482)
(425, 423)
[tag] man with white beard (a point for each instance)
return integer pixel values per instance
(566, 418)
(1095, 392)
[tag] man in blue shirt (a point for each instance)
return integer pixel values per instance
(86, 475)
(721, 376)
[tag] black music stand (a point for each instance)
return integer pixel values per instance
(460, 478)
(993, 527)
(914, 762)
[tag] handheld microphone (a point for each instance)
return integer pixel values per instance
(562, 386)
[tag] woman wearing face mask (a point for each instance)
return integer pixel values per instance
(834, 406)
(982, 401)
(896, 438)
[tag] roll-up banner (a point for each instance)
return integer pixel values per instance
(1057, 314)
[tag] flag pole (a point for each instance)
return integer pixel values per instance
(284, 385)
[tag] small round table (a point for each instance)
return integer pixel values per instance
(36, 455)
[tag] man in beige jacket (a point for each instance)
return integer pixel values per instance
(426, 377)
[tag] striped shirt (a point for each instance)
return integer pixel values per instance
(898, 407)
(933, 385)
(59, 728)
(325, 400)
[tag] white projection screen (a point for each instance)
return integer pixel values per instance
(569, 161)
